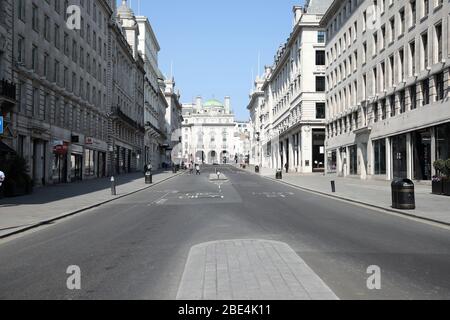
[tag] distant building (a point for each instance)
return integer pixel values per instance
(209, 132)
(287, 106)
(243, 133)
(155, 103)
(174, 119)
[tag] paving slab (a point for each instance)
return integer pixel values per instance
(249, 269)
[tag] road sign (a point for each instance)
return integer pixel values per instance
(1, 125)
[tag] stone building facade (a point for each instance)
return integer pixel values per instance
(290, 103)
(127, 106)
(7, 86)
(155, 104)
(60, 121)
(208, 131)
(77, 110)
(388, 113)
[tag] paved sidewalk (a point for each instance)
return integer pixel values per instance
(57, 201)
(249, 270)
(370, 192)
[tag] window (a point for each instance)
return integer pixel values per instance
(392, 103)
(379, 147)
(438, 42)
(56, 72)
(402, 21)
(320, 84)
(364, 21)
(412, 5)
(320, 57)
(383, 37)
(34, 58)
(412, 58)
(20, 49)
(56, 35)
(35, 18)
(426, 8)
(439, 79)
(402, 101)
(383, 109)
(66, 79)
(401, 57)
(375, 44)
(46, 60)
(392, 31)
(364, 86)
(375, 81)
(21, 9)
(47, 28)
(391, 71)
(35, 102)
(426, 91)
(320, 110)
(364, 52)
(66, 44)
(413, 97)
(424, 38)
(375, 112)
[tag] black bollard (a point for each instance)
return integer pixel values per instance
(113, 187)
(333, 186)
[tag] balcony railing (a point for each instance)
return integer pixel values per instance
(118, 113)
(7, 90)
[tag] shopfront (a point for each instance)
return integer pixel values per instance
(353, 159)
(318, 147)
(399, 157)
(94, 158)
(59, 163)
(76, 163)
(422, 154)
(332, 161)
(443, 142)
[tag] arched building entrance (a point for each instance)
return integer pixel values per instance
(212, 157)
(224, 157)
(200, 157)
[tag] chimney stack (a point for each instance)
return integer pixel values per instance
(198, 103)
(227, 104)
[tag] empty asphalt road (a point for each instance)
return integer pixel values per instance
(155, 244)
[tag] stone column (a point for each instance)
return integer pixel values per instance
(389, 168)
(409, 156)
(433, 151)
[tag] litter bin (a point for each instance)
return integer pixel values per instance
(279, 174)
(256, 169)
(403, 194)
(148, 177)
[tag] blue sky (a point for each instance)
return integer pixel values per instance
(214, 45)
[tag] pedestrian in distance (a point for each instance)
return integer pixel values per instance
(197, 170)
(286, 166)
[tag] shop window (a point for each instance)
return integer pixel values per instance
(379, 148)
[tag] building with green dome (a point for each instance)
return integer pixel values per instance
(209, 132)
